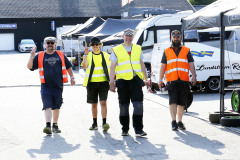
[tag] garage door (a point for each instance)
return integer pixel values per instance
(6, 41)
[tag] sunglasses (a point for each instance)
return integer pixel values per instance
(95, 44)
(52, 43)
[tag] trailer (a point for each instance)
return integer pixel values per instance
(207, 64)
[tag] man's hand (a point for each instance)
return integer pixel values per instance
(33, 52)
(112, 86)
(86, 51)
(160, 84)
(73, 81)
(147, 84)
(194, 80)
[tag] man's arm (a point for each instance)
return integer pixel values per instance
(161, 74)
(85, 62)
(70, 72)
(193, 71)
(30, 61)
(112, 75)
(143, 67)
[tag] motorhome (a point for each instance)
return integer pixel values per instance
(207, 63)
(154, 30)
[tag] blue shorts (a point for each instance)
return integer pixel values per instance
(51, 98)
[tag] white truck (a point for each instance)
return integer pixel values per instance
(207, 63)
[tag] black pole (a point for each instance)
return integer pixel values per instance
(222, 65)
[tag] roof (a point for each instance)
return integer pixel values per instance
(179, 5)
(80, 8)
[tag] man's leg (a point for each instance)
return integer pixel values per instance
(104, 115)
(48, 118)
(173, 111)
(180, 111)
(94, 115)
(103, 109)
(124, 118)
(56, 113)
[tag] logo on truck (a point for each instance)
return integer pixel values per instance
(203, 67)
(202, 53)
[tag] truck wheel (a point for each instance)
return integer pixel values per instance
(230, 121)
(235, 100)
(212, 84)
(215, 117)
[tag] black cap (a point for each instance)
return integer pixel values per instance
(95, 39)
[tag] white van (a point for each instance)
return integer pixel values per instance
(207, 64)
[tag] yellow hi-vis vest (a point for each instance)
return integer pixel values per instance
(98, 74)
(127, 64)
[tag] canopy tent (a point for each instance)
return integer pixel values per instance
(90, 25)
(110, 27)
(63, 35)
(209, 16)
(221, 13)
(113, 39)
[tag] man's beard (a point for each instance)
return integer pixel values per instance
(176, 44)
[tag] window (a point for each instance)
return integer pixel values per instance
(150, 39)
(163, 36)
(211, 36)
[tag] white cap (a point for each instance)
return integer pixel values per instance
(52, 39)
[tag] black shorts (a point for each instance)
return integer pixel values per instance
(178, 92)
(130, 90)
(95, 89)
(51, 98)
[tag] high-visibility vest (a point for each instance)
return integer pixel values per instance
(98, 74)
(41, 69)
(127, 64)
(177, 67)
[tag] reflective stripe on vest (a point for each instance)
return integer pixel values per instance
(41, 68)
(177, 67)
(126, 64)
(97, 69)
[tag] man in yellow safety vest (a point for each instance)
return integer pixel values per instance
(96, 80)
(127, 64)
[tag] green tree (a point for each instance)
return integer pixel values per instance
(201, 2)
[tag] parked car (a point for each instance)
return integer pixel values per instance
(26, 45)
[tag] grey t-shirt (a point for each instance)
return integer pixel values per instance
(114, 58)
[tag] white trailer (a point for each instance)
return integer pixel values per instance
(207, 63)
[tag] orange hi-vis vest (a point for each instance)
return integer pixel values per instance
(177, 67)
(41, 69)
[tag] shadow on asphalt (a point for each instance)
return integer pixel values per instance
(199, 95)
(53, 146)
(139, 148)
(197, 141)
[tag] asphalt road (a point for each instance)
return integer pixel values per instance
(22, 121)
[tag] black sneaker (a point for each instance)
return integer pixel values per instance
(140, 133)
(181, 125)
(93, 127)
(174, 125)
(47, 130)
(125, 133)
(55, 129)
